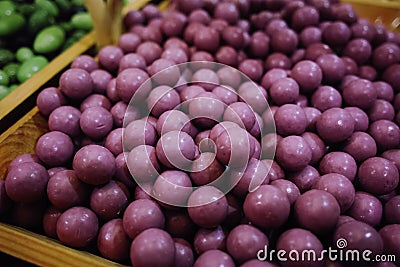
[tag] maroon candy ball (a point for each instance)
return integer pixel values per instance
(94, 164)
(26, 182)
(293, 153)
(77, 227)
(267, 207)
(378, 176)
(335, 125)
(76, 83)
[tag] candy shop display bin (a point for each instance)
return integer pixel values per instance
(21, 125)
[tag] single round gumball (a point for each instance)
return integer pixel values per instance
(307, 74)
(326, 97)
(112, 241)
(137, 133)
(26, 183)
(96, 122)
(290, 119)
(77, 227)
(76, 83)
(65, 119)
(333, 68)
(359, 93)
(132, 60)
(336, 34)
(381, 110)
(284, 91)
(54, 148)
(214, 257)
(386, 134)
(95, 100)
(300, 240)
(358, 49)
(240, 113)
(305, 178)
(49, 99)
(313, 205)
(284, 40)
(390, 235)
(392, 210)
(378, 176)
(310, 35)
(176, 149)
(65, 190)
(267, 207)
(162, 98)
(277, 60)
(207, 206)
(305, 16)
(131, 84)
(339, 186)
(100, 78)
(235, 37)
(142, 214)
(128, 42)
(85, 62)
(360, 146)
(143, 164)
(183, 253)
(152, 247)
(339, 162)
(110, 200)
(231, 77)
(356, 235)
(293, 153)
(172, 188)
(208, 239)
(109, 57)
(384, 90)
(252, 68)
(366, 208)
(244, 241)
(207, 39)
(385, 55)
(94, 164)
(335, 125)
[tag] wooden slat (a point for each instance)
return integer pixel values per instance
(21, 138)
(43, 251)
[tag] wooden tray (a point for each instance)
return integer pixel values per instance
(386, 12)
(20, 137)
